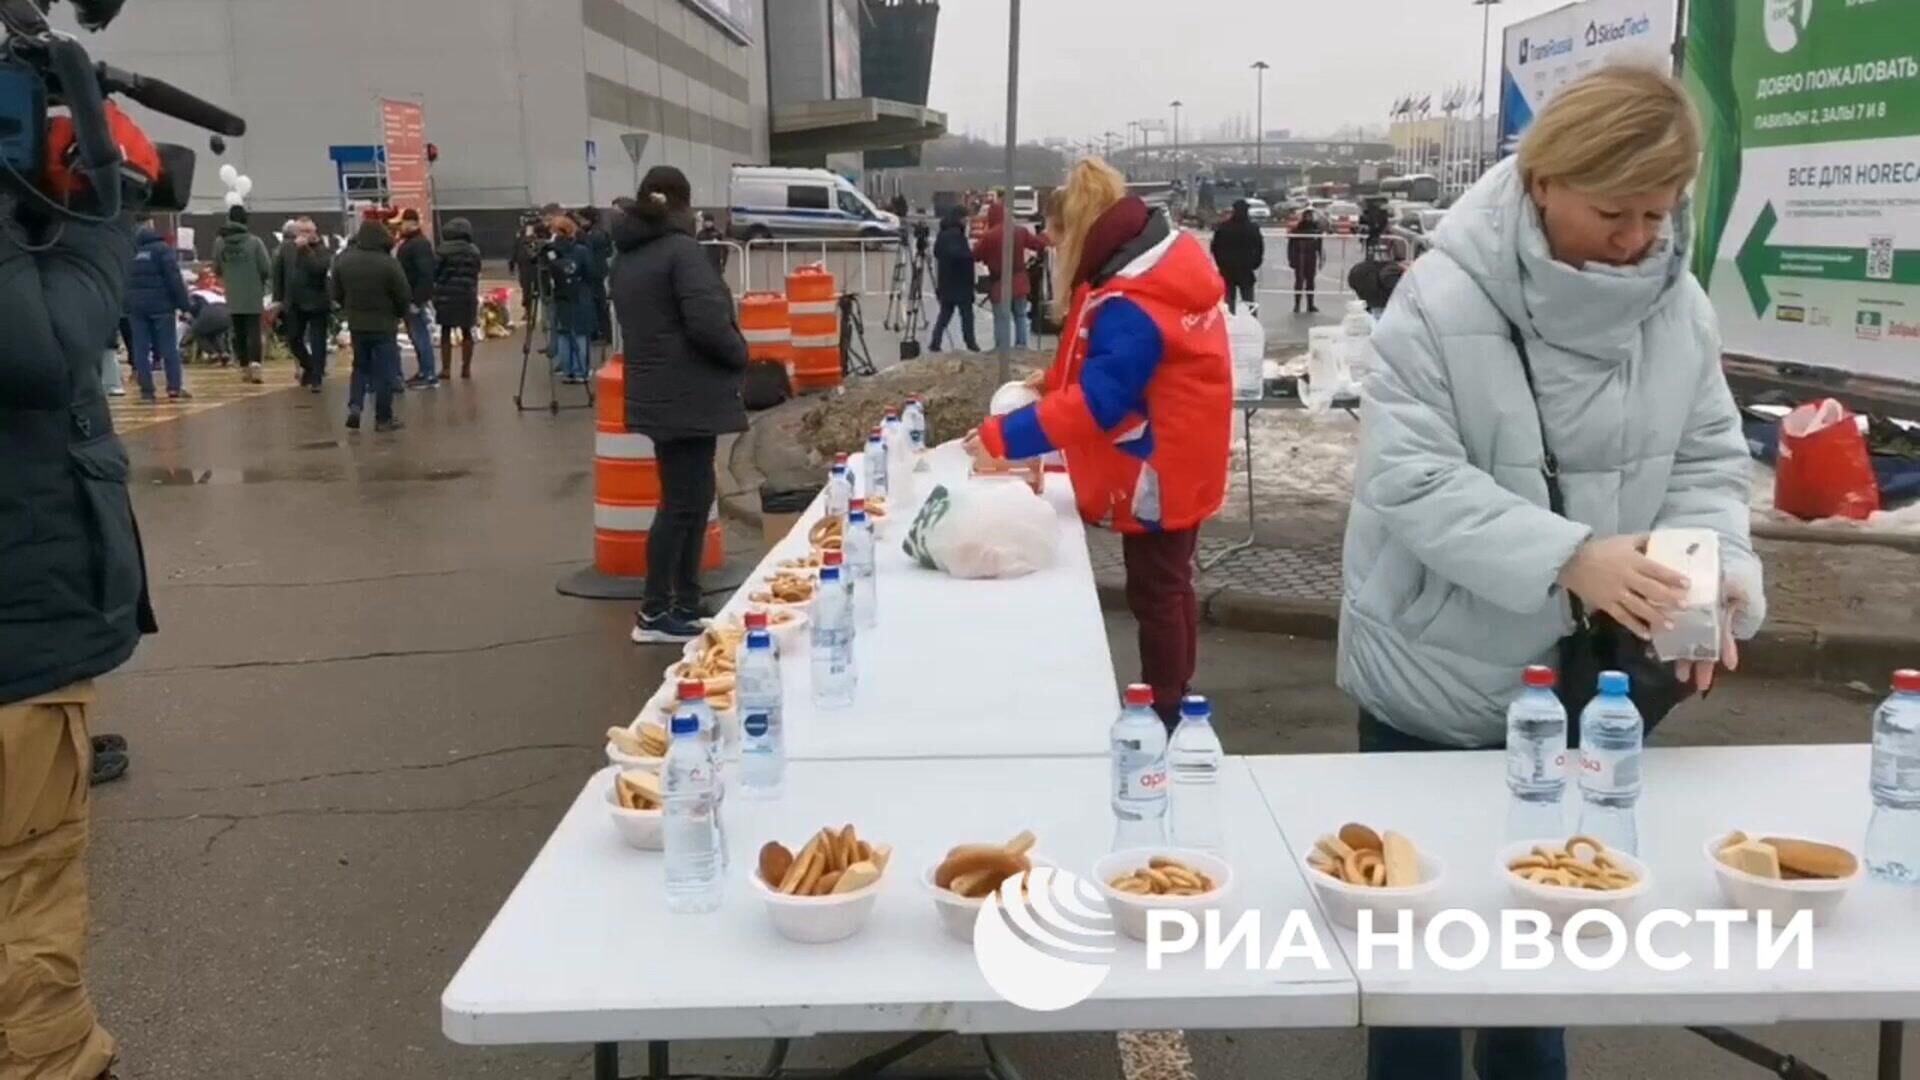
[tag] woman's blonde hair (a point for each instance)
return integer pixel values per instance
(1091, 190)
(1623, 130)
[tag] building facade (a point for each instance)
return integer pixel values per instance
(513, 91)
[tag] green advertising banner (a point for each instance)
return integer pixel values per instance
(1809, 192)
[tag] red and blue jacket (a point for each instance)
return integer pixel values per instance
(1140, 395)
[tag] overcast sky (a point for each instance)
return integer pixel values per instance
(1087, 66)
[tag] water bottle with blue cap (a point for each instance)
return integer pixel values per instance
(691, 820)
(1611, 738)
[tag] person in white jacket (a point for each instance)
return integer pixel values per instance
(1457, 574)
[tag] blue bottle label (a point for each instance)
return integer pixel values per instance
(755, 725)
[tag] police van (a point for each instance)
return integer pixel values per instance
(769, 202)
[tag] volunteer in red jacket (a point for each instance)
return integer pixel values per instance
(1139, 400)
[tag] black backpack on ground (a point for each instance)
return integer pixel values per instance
(765, 386)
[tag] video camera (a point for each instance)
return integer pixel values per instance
(41, 67)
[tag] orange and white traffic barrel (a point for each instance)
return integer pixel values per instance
(626, 498)
(813, 300)
(768, 328)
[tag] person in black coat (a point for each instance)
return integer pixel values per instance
(1304, 252)
(1239, 249)
(685, 359)
(593, 233)
(456, 292)
(418, 261)
(953, 274)
(572, 275)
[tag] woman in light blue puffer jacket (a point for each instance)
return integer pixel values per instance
(1457, 573)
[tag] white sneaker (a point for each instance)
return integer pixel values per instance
(118, 391)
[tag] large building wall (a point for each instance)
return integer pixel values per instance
(513, 89)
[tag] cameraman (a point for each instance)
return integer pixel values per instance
(75, 590)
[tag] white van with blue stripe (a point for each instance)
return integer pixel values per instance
(769, 202)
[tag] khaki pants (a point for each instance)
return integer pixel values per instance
(48, 1030)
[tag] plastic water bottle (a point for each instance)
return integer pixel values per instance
(1536, 760)
(873, 471)
(860, 564)
(1194, 755)
(693, 703)
(763, 748)
(1893, 834)
(914, 416)
(833, 674)
(691, 821)
(1139, 772)
(893, 436)
(757, 620)
(848, 587)
(1611, 736)
(839, 487)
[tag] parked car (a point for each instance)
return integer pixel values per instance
(769, 202)
(1342, 217)
(1259, 211)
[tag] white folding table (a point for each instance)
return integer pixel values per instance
(1866, 962)
(584, 949)
(985, 668)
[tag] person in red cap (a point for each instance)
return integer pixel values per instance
(1140, 401)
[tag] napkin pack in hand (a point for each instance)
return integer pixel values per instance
(984, 529)
(1696, 631)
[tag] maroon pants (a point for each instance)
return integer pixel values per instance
(1160, 595)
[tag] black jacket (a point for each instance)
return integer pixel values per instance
(456, 283)
(369, 285)
(300, 276)
(73, 583)
(1304, 247)
(953, 260)
(417, 262)
(685, 356)
(573, 277)
(600, 244)
(153, 284)
(1238, 247)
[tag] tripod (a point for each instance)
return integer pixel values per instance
(906, 310)
(553, 378)
(854, 357)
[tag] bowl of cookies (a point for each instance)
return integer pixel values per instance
(1563, 878)
(634, 803)
(1138, 880)
(641, 744)
(784, 589)
(1359, 869)
(1782, 873)
(961, 882)
(824, 892)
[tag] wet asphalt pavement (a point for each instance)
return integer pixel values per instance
(367, 708)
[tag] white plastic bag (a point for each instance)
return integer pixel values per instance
(1247, 340)
(984, 529)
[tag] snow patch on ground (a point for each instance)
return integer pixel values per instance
(1298, 456)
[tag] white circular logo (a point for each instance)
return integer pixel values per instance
(1027, 933)
(1783, 22)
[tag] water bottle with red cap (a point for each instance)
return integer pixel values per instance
(1893, 833)
(1139, 743)
(1536, 759)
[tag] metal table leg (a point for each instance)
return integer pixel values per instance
(606, 1061)
(659, 1065)
(1892, 1036)
(1215, 559)
(997, 1064)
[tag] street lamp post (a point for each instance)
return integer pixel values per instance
(1175, 106)
(1003, 308)
(1480, 125)
(1259, 120)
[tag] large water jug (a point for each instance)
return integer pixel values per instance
(1248, 341)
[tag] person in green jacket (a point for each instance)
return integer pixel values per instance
(244, 266)
(373, 295)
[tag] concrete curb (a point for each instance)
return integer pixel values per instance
(1787, 650)
(1811, 534)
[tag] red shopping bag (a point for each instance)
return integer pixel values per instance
(1824, 468)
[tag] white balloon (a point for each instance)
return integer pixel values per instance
(228, 174)
(244, 185)
(234, 198)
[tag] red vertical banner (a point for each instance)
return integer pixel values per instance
(404, 131)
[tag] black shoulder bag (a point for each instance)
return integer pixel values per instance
(1598, 643)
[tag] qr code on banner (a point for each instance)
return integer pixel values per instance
(1880, 258)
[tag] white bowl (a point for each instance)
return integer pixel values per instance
(957, 913)
(1559, 902)
(816, 920)
(639, 828)
(1130, 910)
(629, 761)
(1783, 898)
(1343, 902)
